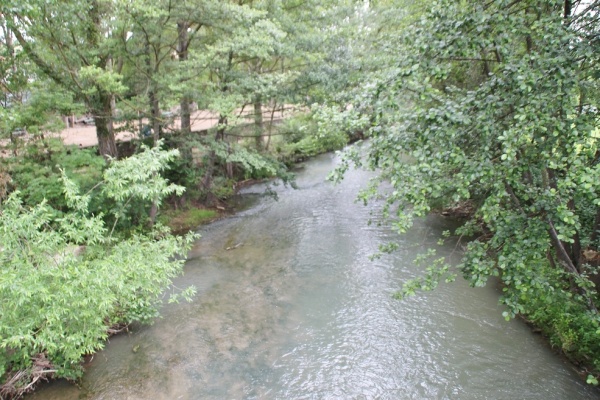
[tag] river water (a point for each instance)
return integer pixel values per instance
(291, 306)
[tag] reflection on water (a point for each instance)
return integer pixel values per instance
(290, 306)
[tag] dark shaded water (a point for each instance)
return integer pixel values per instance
(296, 310)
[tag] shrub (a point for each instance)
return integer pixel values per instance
(66, 282)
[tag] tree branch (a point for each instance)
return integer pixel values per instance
(37, 60)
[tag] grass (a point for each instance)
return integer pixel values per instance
(184, 220)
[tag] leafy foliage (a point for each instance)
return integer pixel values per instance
(324, 129)
(36, 173)
(496, 104)
(67, 282)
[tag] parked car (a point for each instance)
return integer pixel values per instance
(86, 121)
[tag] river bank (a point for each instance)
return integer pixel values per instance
(299, 309)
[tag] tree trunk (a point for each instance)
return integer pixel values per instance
(210, 164)
(258, 121)
(219, 137)
(596, 228)
(182, 53)
(154, 116)
(8, 41)
(567, 263)
(107, 146)
(113, 100)
(271, 126)
(568, 5)
(153, 212)
(155, 120)
(575, 247)
(186, 119)
(229, 164)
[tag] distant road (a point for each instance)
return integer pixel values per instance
(85, 135)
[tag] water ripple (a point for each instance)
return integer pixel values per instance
(299, 311)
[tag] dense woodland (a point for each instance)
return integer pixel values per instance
(484, 109)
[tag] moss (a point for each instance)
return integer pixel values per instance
(184, 220)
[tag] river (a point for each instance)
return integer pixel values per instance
(291, 306)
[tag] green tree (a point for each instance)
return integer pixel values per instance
(71, 43)
(495, 105)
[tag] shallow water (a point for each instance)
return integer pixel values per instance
(295, 309)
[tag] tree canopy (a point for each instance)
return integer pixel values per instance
(494, 107)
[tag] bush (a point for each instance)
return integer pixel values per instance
(37, 174)
(66, 282)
